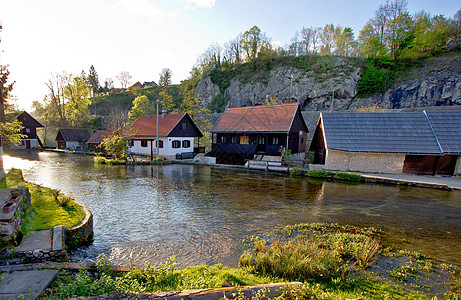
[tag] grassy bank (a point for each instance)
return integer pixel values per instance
(49, 207)
(332, 261)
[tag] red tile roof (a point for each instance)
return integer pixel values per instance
(146, 126)
(267, 118)
(98, 136)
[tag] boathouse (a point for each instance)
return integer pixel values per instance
(72, 139)
(31, 141)
(95, 140)
(423, 143)
(176, 136)
(246, 132)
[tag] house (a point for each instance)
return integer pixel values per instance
(96, 139)
(423, 143)
(176, 135)
(244, 132)
(31, 141)
(72, 139)
(137, 85)
(149, 84)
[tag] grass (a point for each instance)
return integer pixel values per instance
(49, 207)
(333, 262)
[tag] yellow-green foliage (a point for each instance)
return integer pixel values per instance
(47, 211)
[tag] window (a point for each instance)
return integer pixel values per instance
(244, 139)
(215, 138)
(186, 144)
(184, 125)
(234, 140)
(176, 144)
(27, 130)
(131, 143)
(143, 143)
(160, 144)
(261, 140)
(275, 140)
(223, 139)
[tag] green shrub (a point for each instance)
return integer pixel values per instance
(319, 174)
(348, 177)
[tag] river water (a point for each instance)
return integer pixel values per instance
(201, 214)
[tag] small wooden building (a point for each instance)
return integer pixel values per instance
(244, 132)
(176, 135)
(31, 141)
(72, 139)
(423, 143)
(96, 139)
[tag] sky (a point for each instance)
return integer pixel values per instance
(144, 36)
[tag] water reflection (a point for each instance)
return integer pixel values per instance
(201, 214)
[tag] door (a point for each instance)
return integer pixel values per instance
(302, 141)
(27, 144)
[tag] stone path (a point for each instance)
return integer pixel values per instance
(27, 284)
(428, 181)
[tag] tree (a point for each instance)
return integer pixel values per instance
(141, 107)
(108, 85)
(125, 78)
(397, 31)
(5, 90)
(116, 145)
(56, 99)
(77, 95)
(93, 80)
(370, 42)
(345, 41)
(233, 50)
(11, 132)
(327, 37)
(253, 41)
(165, 77)
(210, 59)
(166, 101)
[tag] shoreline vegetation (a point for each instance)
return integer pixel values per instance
(332, 261)
(49, 206)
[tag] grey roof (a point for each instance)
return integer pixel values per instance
(380, 132)
(447, 128)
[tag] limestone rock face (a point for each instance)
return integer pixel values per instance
(313, 91)
(207, 90)
(434, 82)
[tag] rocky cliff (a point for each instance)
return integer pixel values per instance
(332, 85)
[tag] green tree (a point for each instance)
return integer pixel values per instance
(166, 101)
(397, 32)
(93, 80)
(5, 90)
(77, 95)
(11, 132)
(165, 77)
(192, 106)
(327, 37)
(141, 107)
(369, 42)
(116, 145)
(253, 41)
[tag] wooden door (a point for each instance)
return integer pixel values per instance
(27, 144)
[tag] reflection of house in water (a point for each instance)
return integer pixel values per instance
(424, 143)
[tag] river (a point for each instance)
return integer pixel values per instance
(201, 214)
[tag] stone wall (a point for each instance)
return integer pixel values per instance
(364, 162)
(11, 223)
(82, 233)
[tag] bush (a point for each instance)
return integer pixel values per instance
(295, 171)
(348, 177)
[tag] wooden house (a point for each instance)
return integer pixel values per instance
(176, 135)
(96, 139)
(72, 139)
(423, 143)
(244, 132)
(31, 141)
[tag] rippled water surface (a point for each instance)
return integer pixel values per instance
(202, 214)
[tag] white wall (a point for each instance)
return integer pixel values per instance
(74, 146)
(167, 150)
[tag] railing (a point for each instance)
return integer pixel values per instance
(284, 165)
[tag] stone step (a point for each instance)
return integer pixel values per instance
(44, 245)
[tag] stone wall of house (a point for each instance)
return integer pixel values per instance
(364, 162)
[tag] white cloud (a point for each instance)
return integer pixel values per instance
(199, 3)
(143, 8)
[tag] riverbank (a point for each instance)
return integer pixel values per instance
(331, 261)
